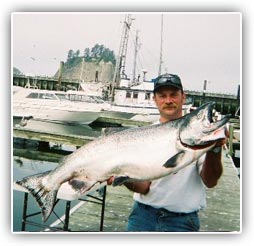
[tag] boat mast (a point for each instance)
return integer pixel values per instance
(159, 73)
(135, 58)
(121, 59)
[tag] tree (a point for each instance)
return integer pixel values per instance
(70, 55)
(87, 55)
(108, 56)
(100, 52)
(77, 54)
(97, 53)
(97, 50)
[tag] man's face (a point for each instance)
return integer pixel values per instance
(169, 101)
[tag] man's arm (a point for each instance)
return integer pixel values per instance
(212, 169)
(139, 187)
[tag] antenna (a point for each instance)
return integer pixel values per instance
(159, 73)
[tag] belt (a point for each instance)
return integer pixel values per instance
(163, 211)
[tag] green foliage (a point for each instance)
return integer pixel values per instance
(97, 53)
(87, 55)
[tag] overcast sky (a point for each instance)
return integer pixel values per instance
(196, 46)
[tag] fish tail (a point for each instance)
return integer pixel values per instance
(44, 197)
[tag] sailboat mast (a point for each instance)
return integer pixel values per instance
(160, 63)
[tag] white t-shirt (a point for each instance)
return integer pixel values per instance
(183, 192)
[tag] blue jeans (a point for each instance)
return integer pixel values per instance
(147, 218)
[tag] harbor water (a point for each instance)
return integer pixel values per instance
(29, 157)
(23, 167)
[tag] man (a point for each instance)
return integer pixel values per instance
(172, 202)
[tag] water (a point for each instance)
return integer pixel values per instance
(23, 167)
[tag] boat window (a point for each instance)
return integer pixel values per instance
(62, 97)
(33, 95)
(128, 94)
(72, 97)
(37, 95)
(49, 96)
(135, 95)
(98, 99)
(83, 98)
(147, 96)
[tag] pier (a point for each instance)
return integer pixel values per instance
(45, 83)
(225, 103)
(45, 132)
(223, 213)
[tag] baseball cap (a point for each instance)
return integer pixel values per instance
(167, 80)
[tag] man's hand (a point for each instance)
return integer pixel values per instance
(110, 180)
(222, 141)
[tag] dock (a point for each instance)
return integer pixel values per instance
(221, 215)
(225, 103)
(64, 133)
(223, 212)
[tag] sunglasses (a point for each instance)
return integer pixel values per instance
(172, 79)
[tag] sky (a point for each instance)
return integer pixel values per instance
(196, 46)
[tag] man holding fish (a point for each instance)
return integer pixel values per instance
(167, 165)
(171, 203)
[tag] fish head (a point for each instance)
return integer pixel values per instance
(199, 129)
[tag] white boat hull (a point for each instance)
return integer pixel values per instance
(55, 115)
(50, 108)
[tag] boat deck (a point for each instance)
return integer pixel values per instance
(221, 215)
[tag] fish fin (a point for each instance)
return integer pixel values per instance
(81, 184)
(110, 130)
(44, 197)
(119, 180)
(172, 162)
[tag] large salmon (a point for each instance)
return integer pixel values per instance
(137, 154)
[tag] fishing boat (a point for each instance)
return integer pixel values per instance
(139, 99)
(73, 107)
(135, 95)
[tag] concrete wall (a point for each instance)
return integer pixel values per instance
(104, 70)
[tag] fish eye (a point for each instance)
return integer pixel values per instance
(199, 115)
